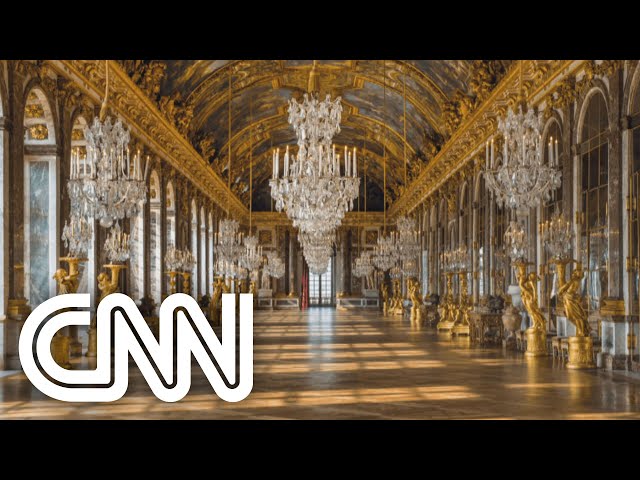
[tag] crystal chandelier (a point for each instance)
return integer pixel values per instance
(386, 253)
(557, 235)
(315, 190)
(77, 235)
(106, 184)
(275, 265)
(518, 175)
(117, 245)
(362, 266)
(408, 239)
(228, 244)
(187, 261)
(410, 268)
(252, 258)
(317, 250)
(395, 272)
(447, 260)
(515, 241)
(172, 259)
(460, 259)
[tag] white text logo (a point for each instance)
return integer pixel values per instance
(224, 379)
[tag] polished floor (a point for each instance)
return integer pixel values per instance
(326, 365)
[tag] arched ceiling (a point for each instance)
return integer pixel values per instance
(371, 120)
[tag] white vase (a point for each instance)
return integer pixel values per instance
(516, 299)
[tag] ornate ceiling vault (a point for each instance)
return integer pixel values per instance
(193, 95)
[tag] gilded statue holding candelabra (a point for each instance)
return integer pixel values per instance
(461, 320)
(68, 282)
(384, 294)
(447, 308)
(395, 307)
(557, 234)
(416, 300)
(537, 333)
(580, 346)
(219, 287)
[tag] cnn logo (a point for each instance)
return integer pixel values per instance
(118, 316)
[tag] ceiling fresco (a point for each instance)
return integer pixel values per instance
(439, 94)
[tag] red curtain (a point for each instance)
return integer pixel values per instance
(304, 304)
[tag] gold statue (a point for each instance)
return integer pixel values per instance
(106, 285)
(529, 294)
(537, 334)
(572, 301)
(416, 300)
(384, 289)
(214, 311)
(66, 283)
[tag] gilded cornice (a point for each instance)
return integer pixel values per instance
(480, 124)
(147, 122)
(352, 219)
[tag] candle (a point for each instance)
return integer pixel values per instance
(146, 169)
(486, 156)
(286, 162)
(556, 155)
(355, 163)
(492, 155)
(273, 168)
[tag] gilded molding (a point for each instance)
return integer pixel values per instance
(477, 127)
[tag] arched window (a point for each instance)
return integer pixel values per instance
(155, 238)
(194, 249)
(549, 280)
(86, 282)
(210, 255)
(594, 189)
(203, 252)
(554, 136)
(500, 269)
(171, 221)
(481, 232)
(41, 230)
(136, 261)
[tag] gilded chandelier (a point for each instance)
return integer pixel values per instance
(518, 175)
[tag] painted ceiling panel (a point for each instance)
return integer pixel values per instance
(261, 89)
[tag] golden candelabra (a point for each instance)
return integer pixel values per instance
(448, 311)
(107, 284)
(537, 333)
(461, 319)
(68, 281)
(186, 282)
(173, 282)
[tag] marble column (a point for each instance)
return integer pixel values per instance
(346, 262)
(15, 217)
(615, 326)
(475, 258)
(615, 207)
